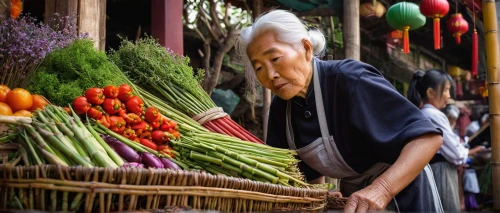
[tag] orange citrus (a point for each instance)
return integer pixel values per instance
(19, 99)
(22, 113)
(39, 102)
(5, 109)
(3, 92)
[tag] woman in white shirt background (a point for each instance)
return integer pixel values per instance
(430, 91)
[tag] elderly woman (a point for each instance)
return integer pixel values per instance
(343, 118)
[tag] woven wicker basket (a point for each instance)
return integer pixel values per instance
(334, 202)
(57, 188)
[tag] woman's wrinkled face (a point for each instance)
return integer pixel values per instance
(279, 67)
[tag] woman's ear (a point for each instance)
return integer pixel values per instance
(308, 49)
(430, 93)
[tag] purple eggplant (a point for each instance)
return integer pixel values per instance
(150, 160)
(123, 150)
(133, 165)
(168, 164)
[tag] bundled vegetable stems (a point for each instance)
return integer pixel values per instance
(221, 154)
(241, 159)
(215, 153)
(55, 137)
(170, 76)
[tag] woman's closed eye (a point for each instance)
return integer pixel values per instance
(275, 59)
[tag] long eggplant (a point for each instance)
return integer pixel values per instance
(127, 153)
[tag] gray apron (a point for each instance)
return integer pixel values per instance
(323, 156)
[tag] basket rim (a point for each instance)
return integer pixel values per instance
(152, 171)
(155, 185)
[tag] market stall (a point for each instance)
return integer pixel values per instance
(87, 131)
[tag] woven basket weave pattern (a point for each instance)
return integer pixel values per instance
(54, 188)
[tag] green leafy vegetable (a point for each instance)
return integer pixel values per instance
(68, 72)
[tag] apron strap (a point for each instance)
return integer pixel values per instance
(323, 125)
(289, 128)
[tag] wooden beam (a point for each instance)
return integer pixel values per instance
(351, 29)
(320, 11)
(493, 80)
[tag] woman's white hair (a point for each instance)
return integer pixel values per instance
(287, 28)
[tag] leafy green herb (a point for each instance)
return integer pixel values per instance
(68, 72)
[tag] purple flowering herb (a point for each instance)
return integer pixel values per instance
(25, 42)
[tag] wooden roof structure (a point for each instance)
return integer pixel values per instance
(377, 29)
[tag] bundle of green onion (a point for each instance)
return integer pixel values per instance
(55, 137)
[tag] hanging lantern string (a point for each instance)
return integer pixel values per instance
(474, 14)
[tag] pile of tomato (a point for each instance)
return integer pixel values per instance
(19, 102)
(119, 110)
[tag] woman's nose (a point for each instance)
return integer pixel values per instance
(272, 73)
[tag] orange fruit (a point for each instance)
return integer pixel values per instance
(3, 92)
(39, 102)
(22, 113)
(5, 109)
(19, 99)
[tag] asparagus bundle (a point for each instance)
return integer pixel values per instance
(55, 137)
(171, 78)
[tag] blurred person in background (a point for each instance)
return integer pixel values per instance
(432, 89)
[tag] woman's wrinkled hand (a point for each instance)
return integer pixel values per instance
(371, 198)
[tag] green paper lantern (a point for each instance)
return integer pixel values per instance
(405, 16)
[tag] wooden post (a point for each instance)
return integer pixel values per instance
(89, 20)
(63, 7)
(266, 93)
(332, 35)
(91, 16)
(492, 60)
(351, 29)
(166, 24)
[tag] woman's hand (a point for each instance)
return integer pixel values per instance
(372, 198)
(412, 160)
(476, 150)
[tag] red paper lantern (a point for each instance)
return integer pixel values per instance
(458, 26)
(435, 9)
